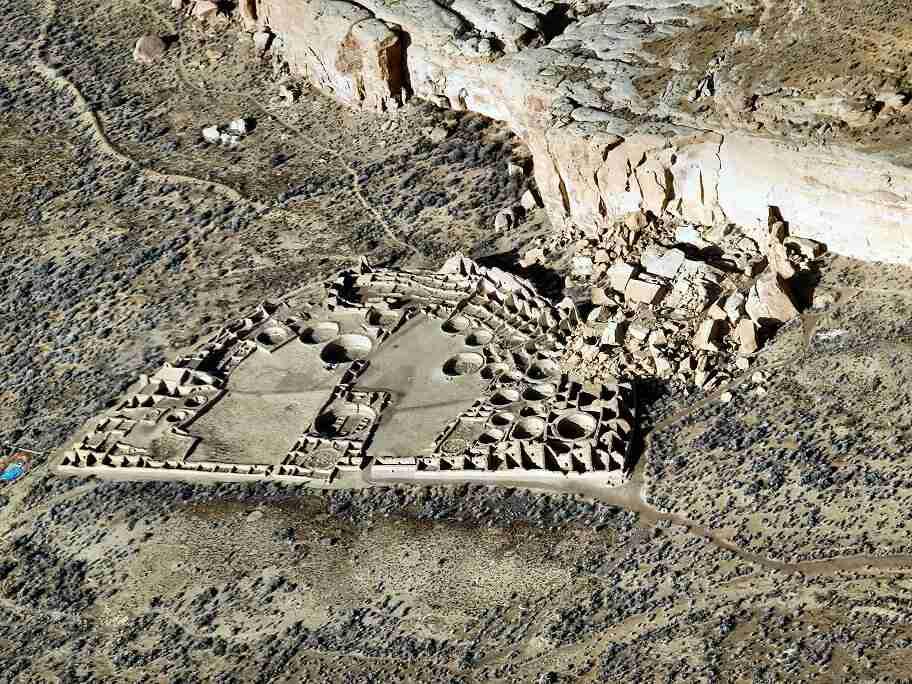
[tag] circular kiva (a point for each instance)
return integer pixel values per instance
(575, 426)
(479, 337)
(504, 397)
(492, 370)
(320, 458)
(195, 400)
(502, 419)
(456, 324)
(529, 428)
(344, 419)
(319, 333)
(346, 348)
(272, 335)
(543, 369)
(463, 364)
(454, 445)
(539, 391)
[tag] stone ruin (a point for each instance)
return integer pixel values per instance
(394, 375)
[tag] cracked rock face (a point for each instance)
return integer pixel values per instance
(710, 111)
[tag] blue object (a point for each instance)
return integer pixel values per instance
(13, 472)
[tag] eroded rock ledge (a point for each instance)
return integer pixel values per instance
(658, 105)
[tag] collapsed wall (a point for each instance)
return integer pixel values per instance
(613, 123)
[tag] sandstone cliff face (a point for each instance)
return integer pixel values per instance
(657, 105)
(343, 49)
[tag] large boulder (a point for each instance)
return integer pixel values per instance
(148, 49)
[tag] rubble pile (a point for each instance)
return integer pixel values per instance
(676, 302)
(229, 135)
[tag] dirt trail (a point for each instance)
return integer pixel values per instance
(388, 230)
(89, 117)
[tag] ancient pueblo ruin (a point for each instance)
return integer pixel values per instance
(451, 376)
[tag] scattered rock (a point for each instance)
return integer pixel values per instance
(261, 41)
(619, 275)
(581, 266)
(238, 127)
(638, 331)
(211, 134)
(716, 312)
(734, 306)
(229, 135)
(662, 364)
(148, 49)
(204, 10)
(707, 334)
(769, 301)
(528, 201)
(644, 291)
(247, 10)
(533, 256)
(503, 220)
(746, 332)
(777, 254)
(665, 264)
(437, 134)
(613, 333)
(288, 95)
(599, 296)
(809, 249)
(689, 235)
(657, 338)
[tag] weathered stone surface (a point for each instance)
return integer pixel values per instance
(746, 333)
(776, 252)
(734, 306)
(663, 263)
(644, 291)
(344, 50)
(261, 41)
(769, 301)
(599, 296)
(247, 10)
(707, 334)
(148, 49)
(686, 142)
(204, 10)
(619, 275)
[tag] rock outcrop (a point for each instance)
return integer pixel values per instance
(690, 108)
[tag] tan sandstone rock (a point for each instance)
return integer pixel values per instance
(644, 291)
(604, 145)
(204, 10)
(769, 301)
(148, 49)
